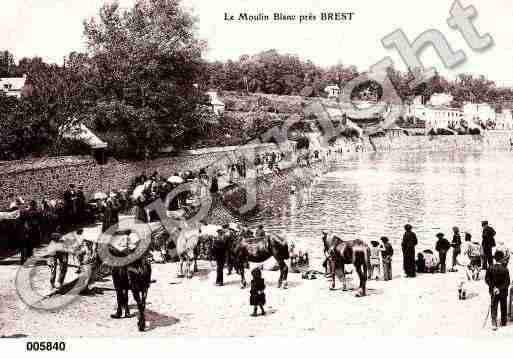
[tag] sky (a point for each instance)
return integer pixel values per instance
(53, 28)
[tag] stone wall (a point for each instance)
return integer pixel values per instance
(491, 141)
(47, 179)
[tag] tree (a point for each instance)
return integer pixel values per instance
(145, 61)
(7, 64)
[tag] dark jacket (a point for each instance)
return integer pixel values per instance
(257, 295)
(497, 276)
(442, 245)
(388, 252)
(488, 239)
(456, 242)
(214, 187)
(409, 242)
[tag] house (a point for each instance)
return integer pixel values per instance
(443, 117)
(218, 106)
(479, 113)
(332, 91)
(504, 120)
(13, 86)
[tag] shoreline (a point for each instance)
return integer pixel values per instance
(424, 306)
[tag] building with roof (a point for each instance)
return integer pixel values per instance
(218, 106)
(443, 117)
(13, 86)
(332, 91)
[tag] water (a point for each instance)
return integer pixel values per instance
(370, 195)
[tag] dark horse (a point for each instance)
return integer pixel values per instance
(354, 252)
(136, 277)
(243, 250)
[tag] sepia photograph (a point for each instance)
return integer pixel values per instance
(197, 169)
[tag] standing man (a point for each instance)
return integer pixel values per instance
(408, 246)
(31, 219)
(442, 247)
(70, 201)
(219, 253)
(59, 258)
(81, 204)
(497, 278)
(487, 244)
(456, 247)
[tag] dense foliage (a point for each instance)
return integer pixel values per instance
(135, 87)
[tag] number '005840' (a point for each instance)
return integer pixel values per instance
(46, 346)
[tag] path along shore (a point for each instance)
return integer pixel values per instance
(424, 306)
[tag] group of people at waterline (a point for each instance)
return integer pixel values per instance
(470, 255)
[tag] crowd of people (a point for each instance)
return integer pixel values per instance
(472, 256)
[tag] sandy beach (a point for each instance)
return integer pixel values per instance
(425, 306)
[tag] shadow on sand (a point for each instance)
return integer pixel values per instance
(156, 320)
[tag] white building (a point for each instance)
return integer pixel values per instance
(218, 106)
(332, 91)
(443, 117)
(504, 120)
(13, 86)
(480, 113)
(440, 99)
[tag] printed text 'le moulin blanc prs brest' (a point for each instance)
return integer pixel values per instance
(285, 17)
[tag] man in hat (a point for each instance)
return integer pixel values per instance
(58, 257)
(70, 201)
(387, 252)
(487, 244)
(456, 247)
(497, 278)
(408, 246)
(505, 250)
(31, 218)
(219, 254)
(442, 247)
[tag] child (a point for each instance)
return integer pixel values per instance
(465, 278)
(257, 294)
(387, 252)
(421, 263)
(375, 252)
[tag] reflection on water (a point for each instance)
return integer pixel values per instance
(370, 195)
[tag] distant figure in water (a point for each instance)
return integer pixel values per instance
(408, 246)
(257, 294)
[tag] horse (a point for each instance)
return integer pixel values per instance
(135, 276)
(186, 249)
(259, 250)
(354, 252)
